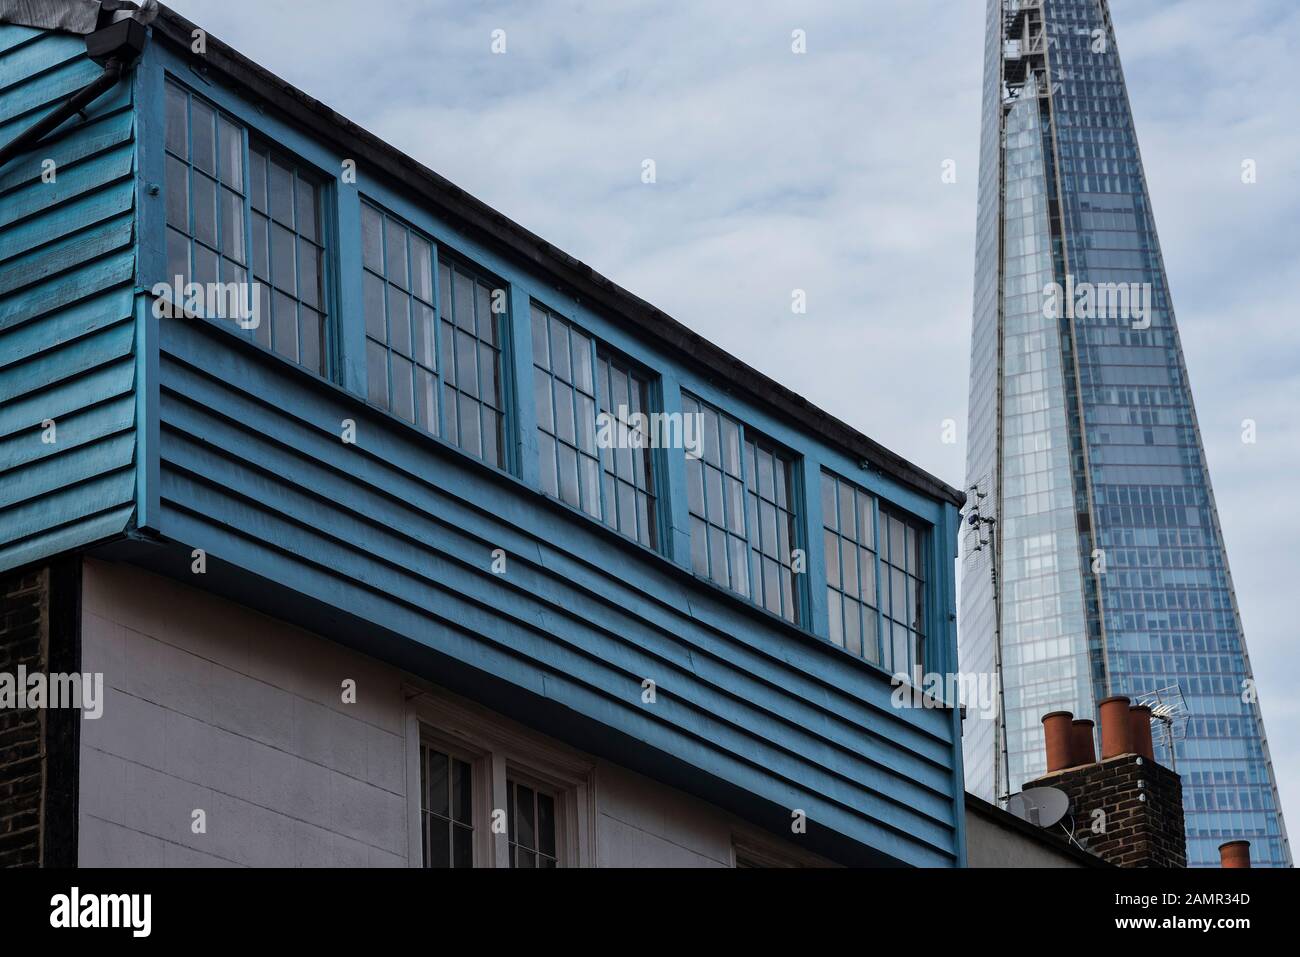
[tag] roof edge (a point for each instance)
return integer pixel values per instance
(496, 230)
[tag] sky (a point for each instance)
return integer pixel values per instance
(823, 171)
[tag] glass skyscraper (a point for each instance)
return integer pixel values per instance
(1093, 563)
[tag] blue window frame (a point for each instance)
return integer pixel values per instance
(743, 504)
(577, 381)
(237, 209)
(401, 318)
(473, 312)
(875, 577)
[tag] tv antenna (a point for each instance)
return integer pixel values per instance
(1169, 707)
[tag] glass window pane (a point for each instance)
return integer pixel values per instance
(524, 833)
(831, 543)
(377, 373)
(836, 614)
(426, 401)
(568, 466)
(373, 299)
(541, 347)
(436, 789)
(546, 824)
(470, 439)
(403, 379)
(284, 330)
(309, 273)
(311, 340)
(205, 209)
(399, 320)
(421, 269)
(232, 225)
(372, 232)
(178, 194)
(560, 364)
(546, 458)
(231, 166)
(203, 136)
(257, 179)
(466, 363)
(462, 846)
(463, 301)
(284, 272)
(261, 247)
(462, 792)
(178, 121)
(279, 189)
(307, 203)
(830, 510)
(395, 248)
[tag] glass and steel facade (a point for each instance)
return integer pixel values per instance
(1094, 564)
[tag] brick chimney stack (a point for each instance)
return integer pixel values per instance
(1126, 808)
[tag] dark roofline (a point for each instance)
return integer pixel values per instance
(1004, 818)
(490, 227)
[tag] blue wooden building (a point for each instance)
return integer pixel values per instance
(399, 536)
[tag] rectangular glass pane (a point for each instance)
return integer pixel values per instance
(178, 121)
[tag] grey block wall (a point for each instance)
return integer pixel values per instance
(210, 706)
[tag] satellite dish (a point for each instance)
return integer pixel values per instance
(1041, 807)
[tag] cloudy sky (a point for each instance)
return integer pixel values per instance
(822, 172)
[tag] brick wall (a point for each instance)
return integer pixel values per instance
(40, 611)
(24, 620)
(1142, 803)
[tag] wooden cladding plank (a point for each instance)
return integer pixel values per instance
(84, 531)
(63, 291)
(46, 475)
(13, 36)
(67, 396)
(69, 182)
(78, 144)
(79, 427)
(112, 101)
(66, 254)
(47, 88)
(94, 350)
(51, 225)
(28, 341)
(98, 494)
(53, 50)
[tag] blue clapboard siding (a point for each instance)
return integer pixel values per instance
(179, 434)
(400, 533)
(67, 329)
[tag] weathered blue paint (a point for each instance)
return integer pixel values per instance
(67, 329)
(387, 543)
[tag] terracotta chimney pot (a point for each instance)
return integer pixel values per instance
(1139, 717)
(1235, 854)
(1056, 731)
(1082, 747)
(1116, 731)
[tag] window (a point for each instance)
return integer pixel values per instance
(288, 257)
(574, 380)
(492, 792)
(875, 583)
(401, 333)
(471, 328)
(530, 826)
(236, 208)
(446, 808)
(743, 523)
